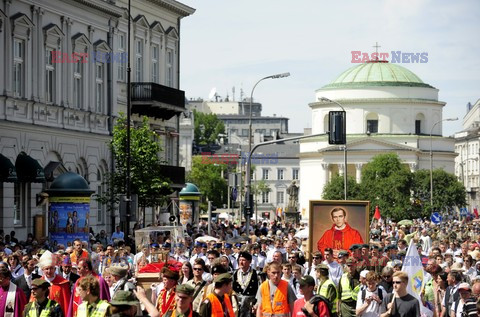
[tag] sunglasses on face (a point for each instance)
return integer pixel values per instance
(397, 282)
(197, 269)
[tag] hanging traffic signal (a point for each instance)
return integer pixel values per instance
(337, 131)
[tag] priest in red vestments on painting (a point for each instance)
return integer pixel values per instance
(60, 287)
(85, 268)
(12, 298)
(340, 236)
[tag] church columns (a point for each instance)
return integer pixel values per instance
(326, 172)
(413, 167)
(341, 169)
(358, 172)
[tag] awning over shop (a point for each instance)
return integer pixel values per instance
(54, 169)
(28, 169)
(8, 173)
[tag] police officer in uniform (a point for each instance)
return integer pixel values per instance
(326, 287)
(360, 263)
(348, 289)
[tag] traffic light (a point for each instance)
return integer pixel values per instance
(248, 208)
(337, 132)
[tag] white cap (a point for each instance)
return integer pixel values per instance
(47, 259)
(457, 253)
(459, 260)
(364, 273)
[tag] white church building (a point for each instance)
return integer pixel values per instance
(388, 109)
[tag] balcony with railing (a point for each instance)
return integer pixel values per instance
(157, 101)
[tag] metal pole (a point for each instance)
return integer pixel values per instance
(345, 170)
(249, 160)
(247, 172)
(209, 231)
(128, 150)
(431, 157)
(345, 185)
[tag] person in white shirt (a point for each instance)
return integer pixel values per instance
(316, 260)
(278, 247)
(197, 253)
(14, 265)
(335, 270)
(369, 300)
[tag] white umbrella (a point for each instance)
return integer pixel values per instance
(302, 234)
(206, 239)
(223, 215)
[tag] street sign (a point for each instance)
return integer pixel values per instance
(436, 218)
(234, 194)
(463, 212)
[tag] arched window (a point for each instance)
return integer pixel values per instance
(419, 123)
(372, 123)
(325, 123)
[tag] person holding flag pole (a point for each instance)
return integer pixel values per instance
(407, 286)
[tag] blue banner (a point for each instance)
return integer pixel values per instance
(68, 219)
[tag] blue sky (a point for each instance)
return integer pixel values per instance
(227, 44)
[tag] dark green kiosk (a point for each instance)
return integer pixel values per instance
(68, 209)
(189, 206)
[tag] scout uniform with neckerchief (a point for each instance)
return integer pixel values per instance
(49, 308)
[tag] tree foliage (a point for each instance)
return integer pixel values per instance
(208, 178)
(335, 189)
(447, 191)
(147, 181)
(207, 127)
(388, 183)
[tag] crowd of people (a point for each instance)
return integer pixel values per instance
(268, 273)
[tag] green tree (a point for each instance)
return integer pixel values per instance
(207, 127)
(386, 182)
(334, 190)
(447, 191)
(147, 181)
(260, 187)
(208, 178)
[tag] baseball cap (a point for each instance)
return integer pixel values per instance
(307, 280)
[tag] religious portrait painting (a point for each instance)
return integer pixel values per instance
(338, 224)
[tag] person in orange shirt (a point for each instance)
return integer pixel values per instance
(275, 297)
(218, 303)
(340, 236)
(78, 252)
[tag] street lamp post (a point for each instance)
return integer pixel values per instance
(344, 148)
(249, 162)
(431, 157)
(247, 172)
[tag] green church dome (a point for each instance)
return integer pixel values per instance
(376, 74)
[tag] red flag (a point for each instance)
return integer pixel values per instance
(475, 211)
(377, 213)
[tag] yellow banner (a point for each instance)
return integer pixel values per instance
(69, 199)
